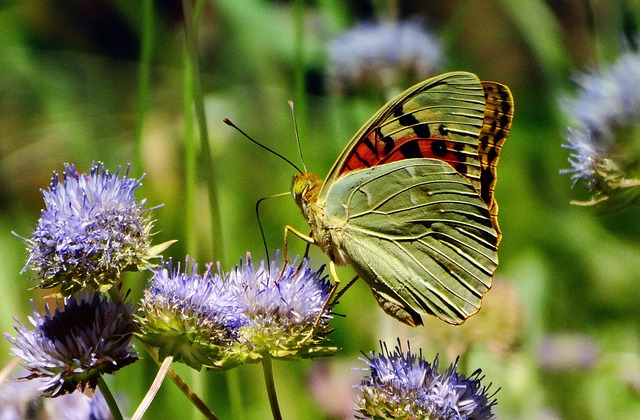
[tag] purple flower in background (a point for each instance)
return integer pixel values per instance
(383, 55)
(605, 142)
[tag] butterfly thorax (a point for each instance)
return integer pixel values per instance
(306, 190)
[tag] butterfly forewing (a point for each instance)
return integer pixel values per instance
(418, 233)
(439, 118)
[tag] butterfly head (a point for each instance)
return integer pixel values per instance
(305, 189)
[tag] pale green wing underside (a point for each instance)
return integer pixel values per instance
(418, 233)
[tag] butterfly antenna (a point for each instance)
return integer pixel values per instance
(230, 124)
(295, 127)
(264, 238)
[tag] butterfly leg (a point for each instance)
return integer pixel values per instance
(328, 302)
(308, 239)
(338, 295)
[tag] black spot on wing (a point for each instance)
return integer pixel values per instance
(439, 148)
(422, 130)
(411, 149)
(388, 144)
(408, 120)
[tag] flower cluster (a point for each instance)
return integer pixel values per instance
(383, 54)
(222, 320)
(404, 385)
(91, 229)
(88, 336)
(605, 144)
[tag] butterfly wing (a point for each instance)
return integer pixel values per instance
(498, 114)
(419, 234)
(439, 118)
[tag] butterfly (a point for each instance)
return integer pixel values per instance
(409, 203)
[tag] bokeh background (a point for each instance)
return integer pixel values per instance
(101, 80)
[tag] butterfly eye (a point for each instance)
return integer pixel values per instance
(298, 185)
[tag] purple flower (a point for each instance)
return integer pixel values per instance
(287, 308)
(21, 400)
(604, 144)
(404, 385)
(382, 55)
(88, 336)
(194, 318)
(91, 229)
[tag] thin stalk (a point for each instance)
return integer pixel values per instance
(198, 102)
(108, 396)
(144, 76)
(190, 161)
(267, 369)
(154, 388)
(183, 386)
(299, 63)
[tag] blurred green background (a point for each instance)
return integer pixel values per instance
(83, 81)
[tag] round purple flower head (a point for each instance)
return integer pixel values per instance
(384, 54)
(404, 385)
(87, 337)
(91, 229)
(191, 317)
(287, 309)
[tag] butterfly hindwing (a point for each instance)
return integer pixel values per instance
(418, 233)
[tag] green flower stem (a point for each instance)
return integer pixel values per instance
(299, 63)
(153, 390)
(193, 397)
(108, 396)
(267, 369)
(198, 102)
(144, 76)
(234, 386)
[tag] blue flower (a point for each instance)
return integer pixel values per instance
(382, 55)
(91, 229)
(87, 337)
(288, 309)
(605, 143)
(191, 317)
(404, 385)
